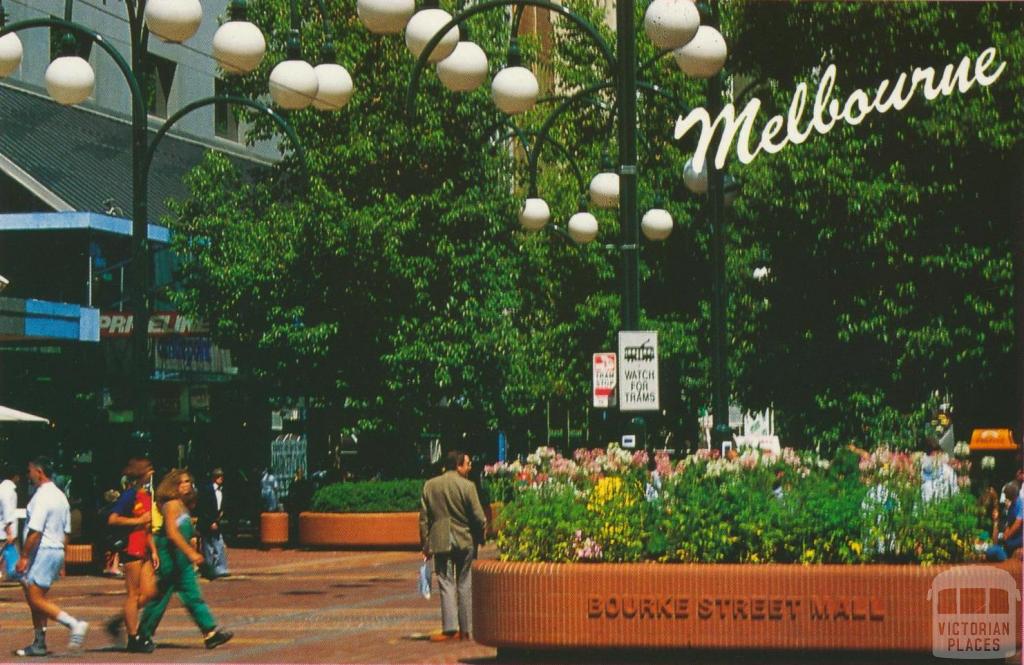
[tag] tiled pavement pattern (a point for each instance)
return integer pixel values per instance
(293, 606)
(284, 606)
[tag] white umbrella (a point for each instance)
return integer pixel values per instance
(14, 416)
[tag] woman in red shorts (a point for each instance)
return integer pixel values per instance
(133, 512)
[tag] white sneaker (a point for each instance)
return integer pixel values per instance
(78, 635)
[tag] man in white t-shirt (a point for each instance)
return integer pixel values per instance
(48, 521)
(9, 521)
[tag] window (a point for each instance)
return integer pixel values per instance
(225, 122)
(158, 80)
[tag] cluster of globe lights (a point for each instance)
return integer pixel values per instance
(672, 25)
(238, 47)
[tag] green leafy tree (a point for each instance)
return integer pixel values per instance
(394, 281)
(889, 243)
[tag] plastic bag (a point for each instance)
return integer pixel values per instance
(424, 584)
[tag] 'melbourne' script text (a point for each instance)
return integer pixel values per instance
(828, 111)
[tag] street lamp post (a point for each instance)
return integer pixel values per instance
(238, 47)
(700, 51)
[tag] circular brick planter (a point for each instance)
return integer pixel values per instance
(354, 530)
(274, 529)
(725, 606)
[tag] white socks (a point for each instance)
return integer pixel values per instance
(66, 619)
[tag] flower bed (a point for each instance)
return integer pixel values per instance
(606, 506)
(599, 551)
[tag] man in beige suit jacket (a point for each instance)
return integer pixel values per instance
(452, 525)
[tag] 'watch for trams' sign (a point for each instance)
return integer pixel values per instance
(638, 370)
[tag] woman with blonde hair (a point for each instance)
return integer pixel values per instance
(176, 496)
(133, 512)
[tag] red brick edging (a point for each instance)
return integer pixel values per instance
(773, 606)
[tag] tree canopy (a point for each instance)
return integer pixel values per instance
(394, 288)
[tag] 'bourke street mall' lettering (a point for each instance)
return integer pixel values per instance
(828, 111)
(636, 607)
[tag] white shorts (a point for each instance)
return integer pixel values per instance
(45, 567)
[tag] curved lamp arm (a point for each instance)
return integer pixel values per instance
(543, 134)
(283, 124)
(138, 107)
(421, 62)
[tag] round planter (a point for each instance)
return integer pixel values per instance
(360, 530)
(78, 555)
(274, 529)
(726, 606)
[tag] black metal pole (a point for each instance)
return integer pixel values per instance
(141, 270)
(626, 47)
(719, 292)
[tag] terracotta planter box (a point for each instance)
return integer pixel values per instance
(369, 530)
(274, 529)
(679, 606)
(78, 555)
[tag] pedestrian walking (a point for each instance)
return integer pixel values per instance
(48, 522)
(452, 526)
(9, 520)
(211, 512)
(176, 497)
(133, 514)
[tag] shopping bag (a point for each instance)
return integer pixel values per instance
(10, 560)
(425, 580)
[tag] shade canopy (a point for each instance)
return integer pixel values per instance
(8, 415)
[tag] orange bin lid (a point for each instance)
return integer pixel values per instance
(992, 439)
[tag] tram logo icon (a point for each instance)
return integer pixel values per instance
(974, 613)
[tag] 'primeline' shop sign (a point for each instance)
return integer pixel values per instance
(638, 370)
(858, 105)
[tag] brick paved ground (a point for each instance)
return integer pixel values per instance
(292, 606)
(284, 606)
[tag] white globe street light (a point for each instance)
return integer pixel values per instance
(421, 29)
(334, 87)
(657, 224)
(535, 214)
(173, 20)
(70, 80)
(704, 55)
(293, 84)
(10, 54)
(239, 47)
(695, 181)
(583, 227)
(604, 190)
(670, 24)
(385, 16)
(515, 90)
(465, 69)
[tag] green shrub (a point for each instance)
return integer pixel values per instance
(790, 508)
(372, 496)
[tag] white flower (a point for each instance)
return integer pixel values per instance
(988, 463)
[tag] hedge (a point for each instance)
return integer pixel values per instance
(372, 496)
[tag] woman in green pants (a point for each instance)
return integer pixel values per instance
(176, 496)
